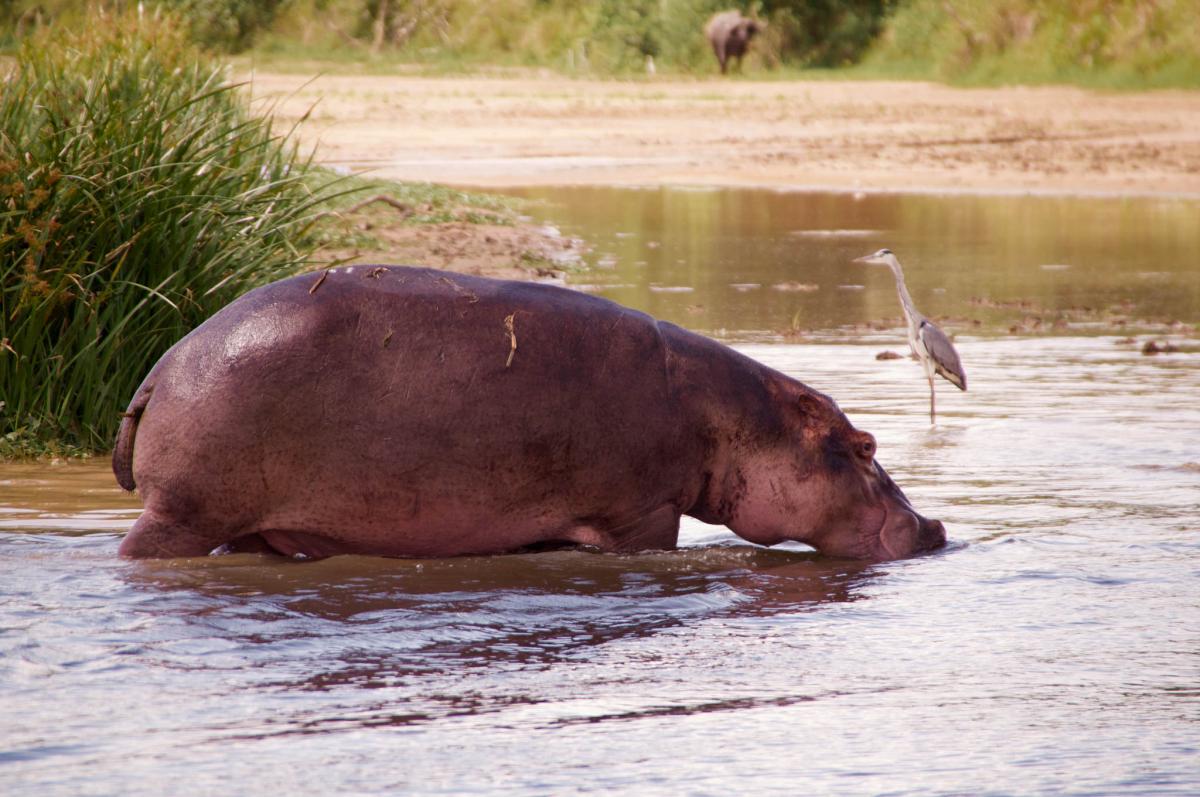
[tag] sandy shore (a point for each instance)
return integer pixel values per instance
(856, 136)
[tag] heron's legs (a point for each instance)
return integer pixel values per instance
(932, 413)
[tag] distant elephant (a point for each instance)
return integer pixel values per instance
(730, 33)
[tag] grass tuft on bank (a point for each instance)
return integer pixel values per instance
(138, 195)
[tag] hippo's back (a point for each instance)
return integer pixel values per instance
(397, 389)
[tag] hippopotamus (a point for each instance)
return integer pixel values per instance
(410, 412)
(730, 33)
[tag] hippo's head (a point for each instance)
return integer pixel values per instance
(820, 484)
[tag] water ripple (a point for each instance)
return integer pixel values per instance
(1051, 645)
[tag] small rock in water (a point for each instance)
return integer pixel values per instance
(888, 355)
(1154, 347)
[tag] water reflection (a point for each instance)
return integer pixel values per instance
(520, 610)
(63, 496)
(761, 262)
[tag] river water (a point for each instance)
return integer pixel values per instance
(1053, 647)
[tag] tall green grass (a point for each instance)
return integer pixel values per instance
(138, 195)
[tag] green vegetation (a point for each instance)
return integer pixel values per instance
(594, 37)
(1102, 43)
(1115, 43)
(138, 195)
(584, 37)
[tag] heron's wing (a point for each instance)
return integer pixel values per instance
(941, 351)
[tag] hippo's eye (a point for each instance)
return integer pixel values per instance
(866, 447)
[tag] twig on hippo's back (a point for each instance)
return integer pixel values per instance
(317, 284)
(512, 337)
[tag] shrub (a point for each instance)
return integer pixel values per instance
(826, 33)
(226, 25)
(138, 195)
(1118, 43)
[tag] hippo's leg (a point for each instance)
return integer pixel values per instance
(155, 537)
(658, 530)
(249, 543)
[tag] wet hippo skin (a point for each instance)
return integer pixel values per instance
(416, 413)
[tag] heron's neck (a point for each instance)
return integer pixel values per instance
(905, 300)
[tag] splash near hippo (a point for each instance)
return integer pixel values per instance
(410, 412)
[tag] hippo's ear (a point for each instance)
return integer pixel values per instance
(864, 445)
(815, 406)
(810, 405)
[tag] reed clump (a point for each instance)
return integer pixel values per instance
(138, 195)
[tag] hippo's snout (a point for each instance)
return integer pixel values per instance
(906, 533)
(930, 535)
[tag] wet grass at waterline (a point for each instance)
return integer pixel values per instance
(416, 203)
(138, 195)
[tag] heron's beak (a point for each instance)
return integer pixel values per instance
(865, 259)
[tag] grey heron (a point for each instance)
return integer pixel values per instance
(929, 343)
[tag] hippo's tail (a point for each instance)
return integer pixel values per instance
(122, 457)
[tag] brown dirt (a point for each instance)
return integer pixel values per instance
(860, 136)
(522, 251)
(840, 135)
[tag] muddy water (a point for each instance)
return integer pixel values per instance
(1053, 648)
(745, 263)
